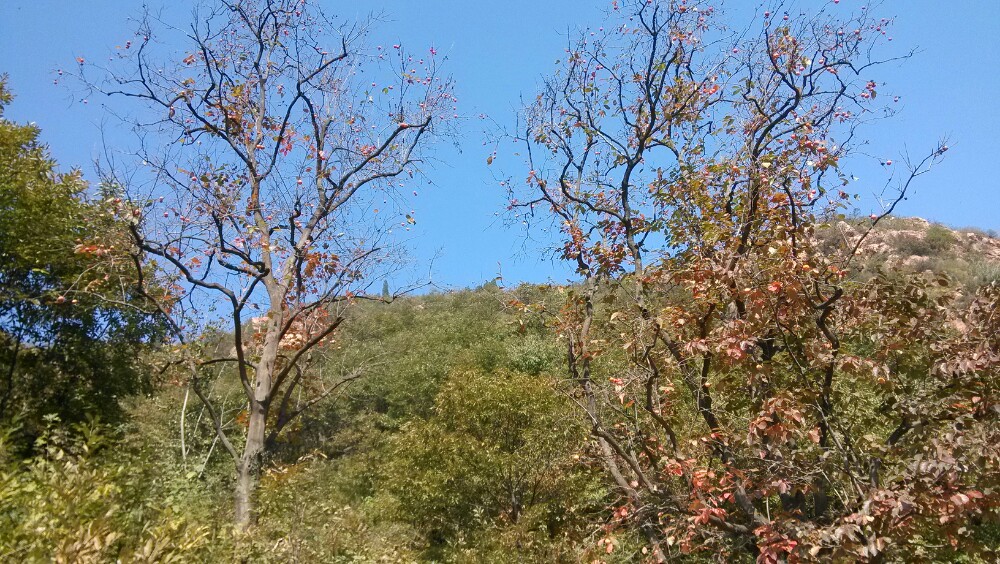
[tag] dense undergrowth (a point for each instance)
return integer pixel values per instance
(460, 444)
(457, 445)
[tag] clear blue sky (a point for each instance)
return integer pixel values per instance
(498, 51)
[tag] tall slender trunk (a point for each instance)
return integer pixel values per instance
(249, 465)
(248, 468)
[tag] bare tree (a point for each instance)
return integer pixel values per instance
(266, 152)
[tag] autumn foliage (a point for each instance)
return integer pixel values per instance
(747, 392)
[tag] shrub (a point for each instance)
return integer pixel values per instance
(497, 453)
(66, 504)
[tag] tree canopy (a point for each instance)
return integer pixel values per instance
(72, 326)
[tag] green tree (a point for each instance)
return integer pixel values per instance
(498, 451)
(68, 341)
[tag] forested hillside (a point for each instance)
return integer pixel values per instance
(218, 351)
(462, 442)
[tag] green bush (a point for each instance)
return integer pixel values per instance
(498, 456)
(939, 238)
(936, 241)
(69, 504)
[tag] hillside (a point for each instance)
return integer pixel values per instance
(459, 443)
(970, 256)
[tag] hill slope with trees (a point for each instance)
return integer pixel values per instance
(464, 442)
(198, 364)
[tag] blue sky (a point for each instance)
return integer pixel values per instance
(498, 51)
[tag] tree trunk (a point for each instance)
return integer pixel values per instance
(249, 466)
(248, 469)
